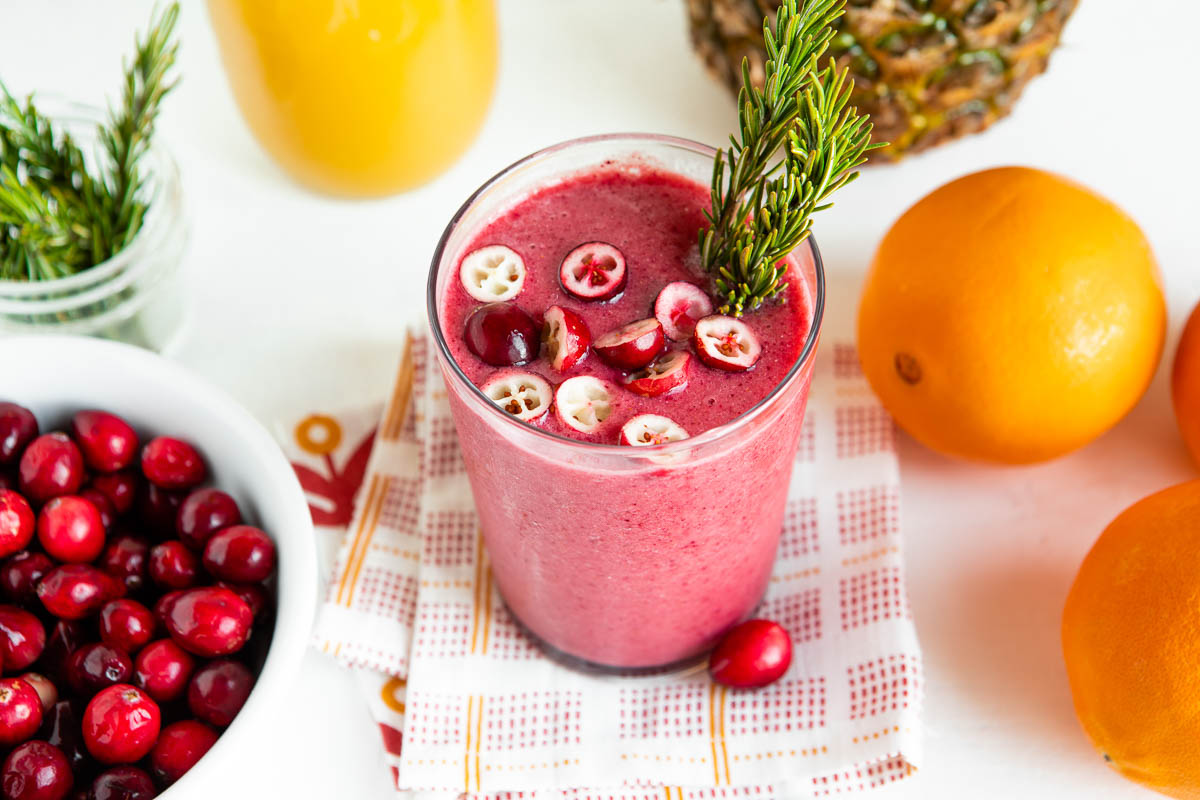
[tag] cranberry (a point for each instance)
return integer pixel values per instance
(96, 666)
(631, 346)
(164, 604)
(242, 554)
(565, 336)
(726, 343)
(666, 374)
(125, 559)
(20, 711)
(120, 488)
(122, 783)
(75, 591)
(51, 466)
(593, 271)
(16, 522)
(70, 530)
(679, 307)
(753, 654)
(179, 747)
(60, 727)
(172, 463)
(36, 771)
(126, 624)
(203, 513)
(502, 335)
(104, 507)
(18, 427)
(20, 573)
(107, 442)
(209, 622)
(162, 670)
(219, 690)
(648, 430)
(47, 692)
(158, 508)
(120, 724)
(22, 638)
(65, 638)
(252, 594)
(173, 565)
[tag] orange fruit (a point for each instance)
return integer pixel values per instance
(1131, 641)
(1011, 316)
(1185, 385)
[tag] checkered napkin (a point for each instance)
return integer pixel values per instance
(466, 704)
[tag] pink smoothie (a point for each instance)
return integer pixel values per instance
(614, 556)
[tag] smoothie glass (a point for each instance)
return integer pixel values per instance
(623, 558)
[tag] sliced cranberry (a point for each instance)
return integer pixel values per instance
(172, 463)
(218, 691)
(162, 669)
(47, 692)
(726, 343)
(96, 666)
(565, 336)
(18, 427)
(492, 273)
(209, 622)
(753, 654)
(179, 747)
(651, 429)
(584, 403)
(252, 594)
(203, 513)
(70, 530)
(20, 711)
(122, 783)
(121, 724)
(501, 335)
(16, 522)
(593, 271)
(75, 591)
(51, 466)
(125, 559)
(65, 638)
(36, 771)
(680, 305)
(158, 508)
(126, 624)
(173, 565)
(523, 394)
(120, 488)
(108, 442)
(20, 573)
(22, 638)
(631, 346)
(666, 374)
(104, 506)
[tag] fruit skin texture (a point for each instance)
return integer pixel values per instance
(16, 522)
(1011, 316)
(1131, 642)
(20, 711)
(36, 771)
(1185, 385)
(179, 747)
(209, 622)
(753, 654)
(121, 724)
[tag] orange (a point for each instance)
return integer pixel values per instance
(1131, 640)
(1185, 385)
(1011, 316)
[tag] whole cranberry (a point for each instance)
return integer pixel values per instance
(104, 507)
(107, 442)
(120, 724)
(20, 573)
(755, 653)
(158, 508)
(22, 638)
(20, 711)
(18, 427)
(46, 690)
(119, 487)
(162, 670)
(242, 554)
(218, 691)
(65, 638)
(71, 530)
(502, 335)
(163, 605)
(125, 559)
(75, 591)
(50, 466)
(179, 747)
(253, 594)
(203, 513)
(122, 783)
(126, 624)
(36, 771)
(97, 666)
(173, 565)
(16, 522)
(172, 463)
(209, 622)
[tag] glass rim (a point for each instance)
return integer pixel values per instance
(709, 436)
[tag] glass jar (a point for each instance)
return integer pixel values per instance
(134, 297)
(624, 558)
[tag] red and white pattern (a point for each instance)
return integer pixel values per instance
(467, 705)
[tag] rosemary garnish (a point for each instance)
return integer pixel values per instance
(760, 212)
(58, 214)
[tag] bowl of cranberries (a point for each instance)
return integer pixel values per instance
(157, 575)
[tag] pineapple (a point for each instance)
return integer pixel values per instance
(927, 71)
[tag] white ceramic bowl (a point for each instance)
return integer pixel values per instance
(55, 376)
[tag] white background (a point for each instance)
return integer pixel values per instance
(299, 303)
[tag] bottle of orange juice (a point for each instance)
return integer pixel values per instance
(360, 97)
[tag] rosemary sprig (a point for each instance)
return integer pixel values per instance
(59, 214)
(760, 212)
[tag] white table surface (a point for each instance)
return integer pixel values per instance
(299, 303)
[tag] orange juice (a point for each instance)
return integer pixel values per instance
(360, 97)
